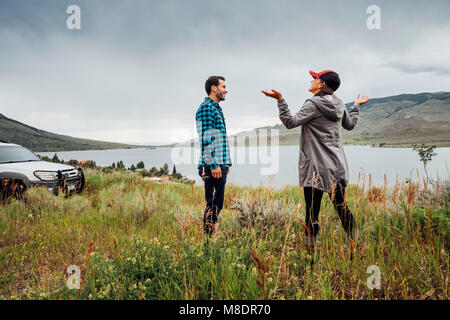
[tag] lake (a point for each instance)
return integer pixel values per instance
(276, 166)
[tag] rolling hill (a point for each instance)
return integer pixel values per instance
(42, 141)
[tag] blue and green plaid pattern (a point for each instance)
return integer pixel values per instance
(212, 134)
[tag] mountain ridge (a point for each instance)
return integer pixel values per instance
(39, 140)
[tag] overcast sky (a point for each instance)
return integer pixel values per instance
(135, 72)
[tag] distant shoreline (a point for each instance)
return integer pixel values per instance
(439, 145)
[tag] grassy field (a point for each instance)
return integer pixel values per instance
(136, 239)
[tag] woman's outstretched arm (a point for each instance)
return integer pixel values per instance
(350, 119)
(307, 112)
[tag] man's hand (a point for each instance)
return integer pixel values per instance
(274, 94)
(359, 101)
(216, 173)
(228, 170)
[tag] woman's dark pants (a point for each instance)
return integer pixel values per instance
(313, 198)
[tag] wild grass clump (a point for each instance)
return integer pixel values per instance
(261, 212)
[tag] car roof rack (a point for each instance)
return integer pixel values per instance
(4, 141)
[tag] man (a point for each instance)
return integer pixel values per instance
(322, 162)
(215, 162)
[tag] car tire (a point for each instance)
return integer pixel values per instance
(11, 188)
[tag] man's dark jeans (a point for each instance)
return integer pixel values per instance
(214, 194)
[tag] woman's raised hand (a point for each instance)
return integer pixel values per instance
(361, 100)
(274, 94)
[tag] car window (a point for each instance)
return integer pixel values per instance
(16, 154)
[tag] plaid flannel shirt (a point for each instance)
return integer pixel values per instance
(212, 133)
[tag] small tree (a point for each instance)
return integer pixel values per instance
(55, 158)
(426, 154)
(133, 168)
(89, 164)
(153, 172)
(174, 171)
(120, 165)
(164, 170)
(73, 163)
(140, 165)
(113, 165)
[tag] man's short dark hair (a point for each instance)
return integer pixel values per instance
(212, 81)
(332, 80)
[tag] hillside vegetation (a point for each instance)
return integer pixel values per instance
(42, 141)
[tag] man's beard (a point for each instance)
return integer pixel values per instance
(220, 97)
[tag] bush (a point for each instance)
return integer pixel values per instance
(444, 192)
(261, 212)
(376, 194)
(439, 220)
(89, 164)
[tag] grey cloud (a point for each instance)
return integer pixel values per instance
(443, 71)
(137, 64)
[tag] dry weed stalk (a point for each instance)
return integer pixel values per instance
(262, 265)
(396, 188)
(90, 250)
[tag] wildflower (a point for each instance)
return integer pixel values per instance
(133, 261)
(106, 291)
(133, 287)
(241, 266)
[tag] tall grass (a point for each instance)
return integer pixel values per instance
(136, 239)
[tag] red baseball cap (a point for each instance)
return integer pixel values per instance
(316, 75)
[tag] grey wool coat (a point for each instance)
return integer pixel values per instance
(322, 162)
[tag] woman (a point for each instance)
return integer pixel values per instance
(322, 163)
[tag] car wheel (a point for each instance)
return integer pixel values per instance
(10, 188)
(19, 189)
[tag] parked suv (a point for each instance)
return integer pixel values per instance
(21, 169)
